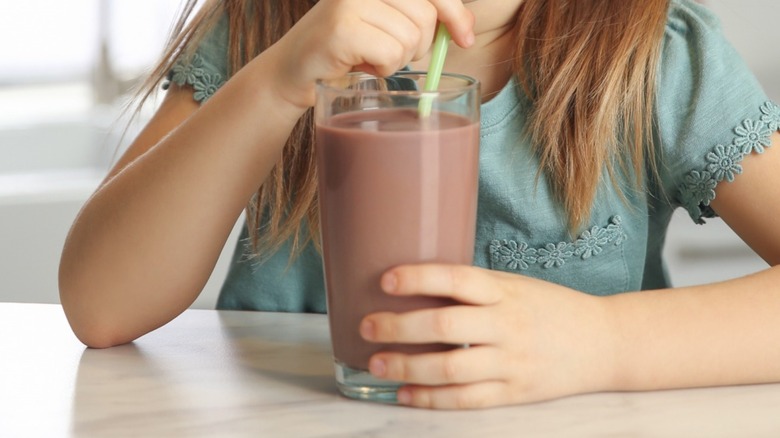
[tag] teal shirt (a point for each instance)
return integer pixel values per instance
(711, 112)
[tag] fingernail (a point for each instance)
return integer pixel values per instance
(470, 38)
(377, 367)
(403, 396)
(389, 282)
(367, 330)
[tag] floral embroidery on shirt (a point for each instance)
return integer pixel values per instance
(515, 255)
(207, 86)
(615, 228)
(555, 255)
(771, 116)
(518, 256)
(724, 162)
(591, 242)
(700, 188)
(752, 136)
(194, 72)
(188, 72)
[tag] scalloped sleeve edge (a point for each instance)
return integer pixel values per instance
(697, 190)
(195, 73)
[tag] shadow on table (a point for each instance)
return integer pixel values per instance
(120, 389)
(285, 348)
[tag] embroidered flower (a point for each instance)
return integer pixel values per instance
(555, 255)
(206, 86)
(516, 255)
(513, 255)
(724, 162)
(188, 72)
(699, 188)
(591, 242)
(615, 230)
(752, 136)
(771, 116)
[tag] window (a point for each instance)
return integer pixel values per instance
(57, 58)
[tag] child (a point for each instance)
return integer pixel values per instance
(600, 117)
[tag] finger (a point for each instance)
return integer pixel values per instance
(424, 16)
(449, 325)
(382, 52)
(462, 365)
(470, 396)
(397, 24)
(467, 284)
(458, 19)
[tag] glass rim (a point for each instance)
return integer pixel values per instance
(469, 84)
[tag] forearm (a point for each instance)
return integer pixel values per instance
(145, 243)
(719, 334)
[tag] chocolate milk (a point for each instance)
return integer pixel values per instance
(394, 189)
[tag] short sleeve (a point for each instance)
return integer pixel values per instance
(711, 110)
(205, 68)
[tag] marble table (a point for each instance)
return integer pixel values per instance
(217, 373)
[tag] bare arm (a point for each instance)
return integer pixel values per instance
(715, 334)
(533, 340)
(146, 242)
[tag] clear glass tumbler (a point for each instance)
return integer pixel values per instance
(398, 172)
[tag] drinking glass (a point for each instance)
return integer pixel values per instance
(397, 185)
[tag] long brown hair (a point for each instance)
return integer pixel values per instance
(587, 66)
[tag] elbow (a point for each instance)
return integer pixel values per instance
(94, 316)
(96, 339)
(95, 333)
(103, 307)
(93, 326)
(92, 329)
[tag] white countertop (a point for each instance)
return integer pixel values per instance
(216, 373)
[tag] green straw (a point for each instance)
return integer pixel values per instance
(434, 69)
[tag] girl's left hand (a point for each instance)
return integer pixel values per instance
(529, 340)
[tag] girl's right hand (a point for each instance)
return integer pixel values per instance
(375, 36)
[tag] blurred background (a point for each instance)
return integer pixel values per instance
(65, 72)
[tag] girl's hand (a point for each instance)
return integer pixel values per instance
(375, 36)
(529, 340)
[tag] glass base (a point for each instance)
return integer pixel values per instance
(361, 385)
